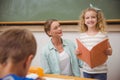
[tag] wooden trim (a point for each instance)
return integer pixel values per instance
(66, 28)
(70, 22)
(66, 77)
(37, 26)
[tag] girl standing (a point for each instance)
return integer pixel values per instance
(92, 26)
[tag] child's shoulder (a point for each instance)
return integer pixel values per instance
(103, 34)
(81, 35)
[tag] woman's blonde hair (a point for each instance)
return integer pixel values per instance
(100, 20)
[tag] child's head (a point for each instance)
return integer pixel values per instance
(17, 49)
(100, 21)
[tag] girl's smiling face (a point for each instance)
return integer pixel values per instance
(90, 19)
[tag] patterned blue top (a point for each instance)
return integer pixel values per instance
(14, 77)
(50, 58)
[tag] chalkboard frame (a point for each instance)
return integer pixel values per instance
(70, 22)
(64, 10)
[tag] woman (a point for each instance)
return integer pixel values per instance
(58, 55)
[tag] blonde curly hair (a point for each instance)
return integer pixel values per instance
(101, 25)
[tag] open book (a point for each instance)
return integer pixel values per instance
(96, 55)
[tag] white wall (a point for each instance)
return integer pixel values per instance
(113, 61)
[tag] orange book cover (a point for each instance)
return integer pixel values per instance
(96, 55)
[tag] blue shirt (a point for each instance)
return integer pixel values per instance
(14, 77)
(50, 58)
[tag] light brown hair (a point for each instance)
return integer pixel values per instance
(17, 45)
(47, 25)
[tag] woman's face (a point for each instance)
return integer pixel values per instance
(55, 29)
(90, 19)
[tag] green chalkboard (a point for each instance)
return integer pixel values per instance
(40, 10)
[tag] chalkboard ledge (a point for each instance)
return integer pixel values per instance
(71, 25)
(69, 22)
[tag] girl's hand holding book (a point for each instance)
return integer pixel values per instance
(108, 51)
(77, 52)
